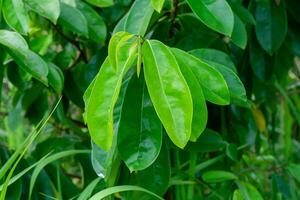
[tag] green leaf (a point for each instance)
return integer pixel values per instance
(122, 188)
(99, 111)
(15, 15)
(249, 192)
(47, 161)
(46, 8)
(26, 59)
(56, 78)
(243, 13)
(14, 41)
(231, 152)
(157, 4)
(215, 14)
(215, 56)
(239, 33)
(12, 163)
(200, 113)
(216, 176)
(193, 33)
(87, 192)
(33, 64)
(96, 26)
(257, 59)
(271, 24)
(237, 195)
(24, 171)
(208, 163)
(294, 169)
(114, 47)
(140, 130)
(213, 84)
(208, 141)
(66, 19)
(156, 177)
(103, 97)
(169, 91)
(235, 85)
(101, 3)
(137, 20)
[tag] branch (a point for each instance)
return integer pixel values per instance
(73, 42)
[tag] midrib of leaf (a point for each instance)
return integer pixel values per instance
(138, 156)
(163, 91)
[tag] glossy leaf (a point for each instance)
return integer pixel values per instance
(96, 26)
(215, 14)
(235, 85)
(66, 19)
(140, 131)
(218, 176)
(271, 24)
(137, 20)
(213, 84)
(102, 161)
(199, 105)
(115, 43)
(56, 78)
(100, 108)
(33, 64)
(15, 15)
(157, 176)
(46, 8)
(101, 3)
(13, 41)
(169, 91)
(214, 55)
(26, 59)
(99, 113)
(239, 33)
(157, 4)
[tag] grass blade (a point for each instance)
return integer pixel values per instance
(87, 192)
(26, 144)
(122, 188)
(23, 172)
(48, 160)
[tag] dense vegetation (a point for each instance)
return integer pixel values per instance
(150, 99)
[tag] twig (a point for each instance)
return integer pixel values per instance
(73, 42)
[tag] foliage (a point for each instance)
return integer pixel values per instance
(149, 99)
